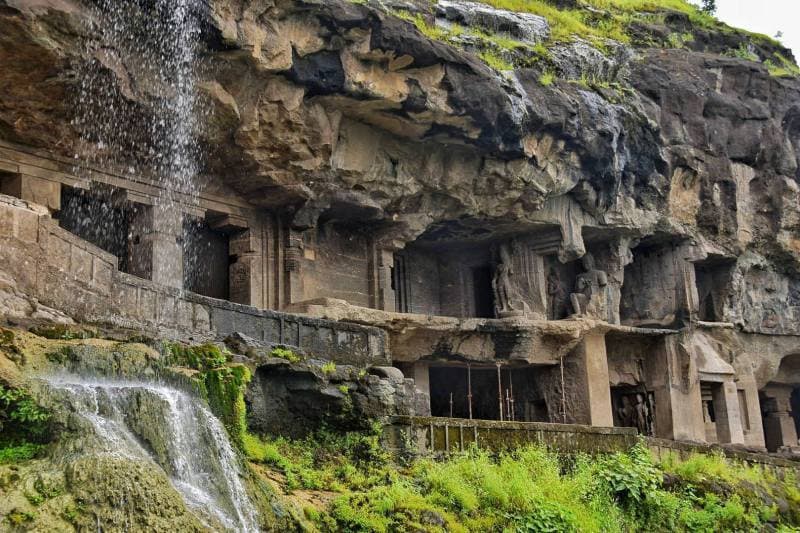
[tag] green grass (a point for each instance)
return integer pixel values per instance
(547, 78)
(285, 353)
(529, 489)
(607, 20)
(16, 453)
(782, 67)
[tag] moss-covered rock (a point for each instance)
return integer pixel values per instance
(124, 495)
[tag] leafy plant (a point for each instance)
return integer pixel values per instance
(285, 353)
(631, 476)
(547, 78)
(21, 412)
(328, 368)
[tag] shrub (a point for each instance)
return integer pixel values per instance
(21, 418)
(10, 454)
(285, 353)
(631, 476)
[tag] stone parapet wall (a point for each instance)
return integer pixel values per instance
(67, 273)
(662, 447)
(426, 435)
(423, 435)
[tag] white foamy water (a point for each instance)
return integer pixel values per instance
(184, 438)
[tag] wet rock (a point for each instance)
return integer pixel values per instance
(128, 494)
(295, 399)
(524, 26)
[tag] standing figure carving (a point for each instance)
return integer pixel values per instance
(555, 295)
(507, 302)
(590, 296)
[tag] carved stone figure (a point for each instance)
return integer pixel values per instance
(590, 298)
(644, 416)
(625, 412)
(555, 295)
(507, 302)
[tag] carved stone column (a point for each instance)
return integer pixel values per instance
(591, 383)
(728, 415)
(292, 262)
(245, 273)
(156, 249)
(780, 432)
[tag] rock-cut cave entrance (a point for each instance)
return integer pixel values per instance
(487, 392)
(206, 259)
(105, 218)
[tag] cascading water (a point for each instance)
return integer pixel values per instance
(150, 422)
(137, 111)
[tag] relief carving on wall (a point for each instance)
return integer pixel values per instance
(591, 286)
(508, 302)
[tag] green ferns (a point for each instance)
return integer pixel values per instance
(20, 415)
(24, 426)
(529, 489)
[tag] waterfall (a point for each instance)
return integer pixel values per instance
(136, 111)
(157, 423)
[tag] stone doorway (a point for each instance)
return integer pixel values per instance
(482, 291)
(487, 392)
(206, 259)
(104, 218)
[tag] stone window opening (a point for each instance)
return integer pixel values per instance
(206, 259)
(713, 281)
(104, 218)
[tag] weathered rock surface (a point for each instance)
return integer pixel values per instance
(321, 105)
(294, 399)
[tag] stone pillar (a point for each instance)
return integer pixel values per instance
(780, 433)
(292, 260)
(245, 271)
(591, 383)
(678, 401)
(420, 373)
(156, 249)
(385, 268)
(750, 409)
(32, 189)
(728, 415)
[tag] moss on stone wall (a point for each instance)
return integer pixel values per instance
(219, 382)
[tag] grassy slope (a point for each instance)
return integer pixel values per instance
(530, 489)
(596, 21)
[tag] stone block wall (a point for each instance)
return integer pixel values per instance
(66, 273)
(423, 435)
(336, 264)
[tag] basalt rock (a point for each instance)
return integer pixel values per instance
(295, 399)
(312, 99)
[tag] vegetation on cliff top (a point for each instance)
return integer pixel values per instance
(598, 22)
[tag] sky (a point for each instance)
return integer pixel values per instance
(765, 16)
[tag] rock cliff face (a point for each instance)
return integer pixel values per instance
(662, 142)
(314, 105)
